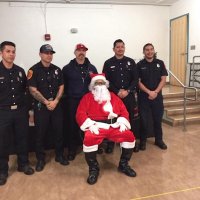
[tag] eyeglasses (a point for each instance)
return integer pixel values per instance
(99, 83)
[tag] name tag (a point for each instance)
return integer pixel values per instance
(13, 107)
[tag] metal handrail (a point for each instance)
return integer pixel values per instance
(185, 97)
(193, 63)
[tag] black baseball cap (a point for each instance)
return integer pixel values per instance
(46, 48)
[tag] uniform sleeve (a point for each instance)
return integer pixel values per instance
(164, 70)
(60, 77)
(134, 75)
(31, 78)
(106, 71)
(24, 79)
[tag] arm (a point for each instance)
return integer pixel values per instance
(37, 95)
(52, 104)
(153, 94)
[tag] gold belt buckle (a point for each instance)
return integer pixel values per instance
(13, 107)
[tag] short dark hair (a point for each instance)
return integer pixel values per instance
(147, 44)
(3, 44)
(117, 41)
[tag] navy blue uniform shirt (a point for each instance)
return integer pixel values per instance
(12, 85)
(150, 73)
(121, 73)
(47, 80)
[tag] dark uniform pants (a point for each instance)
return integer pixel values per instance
(43, 119)
(131, 106)
(13, 124)
(72, 128)
(148, 108)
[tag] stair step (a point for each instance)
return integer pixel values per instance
(180, 110)
(179, 102)
(178, 119)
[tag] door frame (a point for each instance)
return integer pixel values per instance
(187, 56)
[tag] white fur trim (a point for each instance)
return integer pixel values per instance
(127, 145)
(90, 148)
(86, 124)
(98, 77)
(108, 108)
(124, 121)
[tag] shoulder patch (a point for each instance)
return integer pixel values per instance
(30, 74)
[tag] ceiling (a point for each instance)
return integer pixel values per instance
(117, 2)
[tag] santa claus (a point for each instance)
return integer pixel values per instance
(102, 115)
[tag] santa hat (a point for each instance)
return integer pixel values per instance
(95, 77)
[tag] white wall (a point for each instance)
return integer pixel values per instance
(191, 7)
(98, 27)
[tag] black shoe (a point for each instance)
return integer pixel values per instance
(143, 145)
(161, 144)
(109, 149)
(62, 160)
(127, 170)
(100, 150)
(3, 179)
(40, 165)
(26, 169)
(71, 155)
(92, 178)
(136, 148)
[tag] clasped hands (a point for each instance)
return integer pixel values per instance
(51, 105)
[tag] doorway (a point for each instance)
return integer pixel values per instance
(178, 49)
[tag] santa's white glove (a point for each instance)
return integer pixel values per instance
(94, 129)
(122, 127)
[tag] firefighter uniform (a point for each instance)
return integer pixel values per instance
(13, 118)
(47, 81)
(150, 74)
(122, 74)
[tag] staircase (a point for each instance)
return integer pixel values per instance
(174, 107)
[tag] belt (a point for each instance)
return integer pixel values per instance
(108, 121)
(13, 107)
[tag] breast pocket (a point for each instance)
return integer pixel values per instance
(157, 72)
(3, 84)
(144, 73)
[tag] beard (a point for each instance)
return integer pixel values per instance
(101, 93)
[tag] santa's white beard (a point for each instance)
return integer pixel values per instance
(101, 93)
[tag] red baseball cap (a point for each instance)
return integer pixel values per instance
(80, 46)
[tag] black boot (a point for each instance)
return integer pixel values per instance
(93, 167)
(123, 163)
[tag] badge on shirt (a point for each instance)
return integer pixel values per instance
(20, 74)
(128, 63)
(1, 78)
(158, 65)
(56, 72)
(112, 67)
(30, 74)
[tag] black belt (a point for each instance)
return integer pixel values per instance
(107, 121)
(13, 107)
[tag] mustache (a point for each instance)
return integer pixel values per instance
(81, 54)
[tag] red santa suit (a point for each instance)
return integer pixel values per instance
(91, 113)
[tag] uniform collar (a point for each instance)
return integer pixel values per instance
(2, 66)
(153, 61)
(42, 66)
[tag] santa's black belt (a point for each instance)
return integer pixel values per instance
(107, 121)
